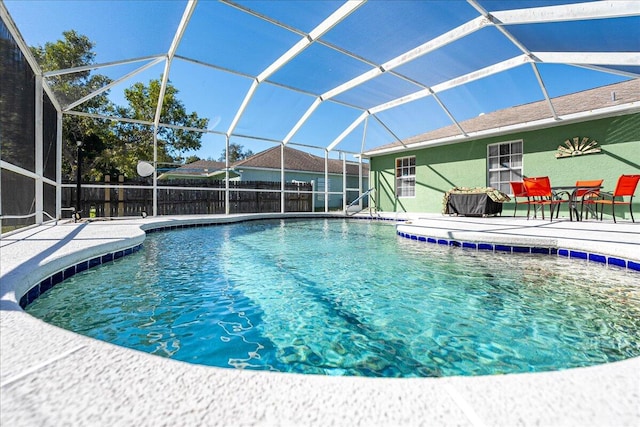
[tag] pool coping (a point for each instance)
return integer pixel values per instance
(53, 376)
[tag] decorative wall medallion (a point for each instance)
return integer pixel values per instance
(577, 147)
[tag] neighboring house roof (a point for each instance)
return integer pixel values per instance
(610, 99)
(296, 160)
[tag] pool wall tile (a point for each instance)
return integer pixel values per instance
(58, 277)
(46, 284)
(617, 262)
(33, 294)
(68, 272)
(82, 266)
(567, 253)
(578, 254)
(545, 251)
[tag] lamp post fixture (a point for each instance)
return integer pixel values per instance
(78, 181)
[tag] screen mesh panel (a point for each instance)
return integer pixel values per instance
(18, 198)
(17, 108)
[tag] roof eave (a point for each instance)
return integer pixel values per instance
(618, 110)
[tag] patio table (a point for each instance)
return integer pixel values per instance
(572, 190)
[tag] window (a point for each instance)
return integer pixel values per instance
(504, 164)
(406, 176)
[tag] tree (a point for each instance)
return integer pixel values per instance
(135, 141)
(113, 147)
(236, 152)
(73, 51)
(191, 159)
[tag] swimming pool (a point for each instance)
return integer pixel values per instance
(341, 297)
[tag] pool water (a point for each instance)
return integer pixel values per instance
(349, 297)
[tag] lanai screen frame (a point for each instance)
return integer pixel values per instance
(500, 20)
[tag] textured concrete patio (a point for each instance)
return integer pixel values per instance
(51, 376)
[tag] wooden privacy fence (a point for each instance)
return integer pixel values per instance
(186, 197)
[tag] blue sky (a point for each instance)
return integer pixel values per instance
(377, 32)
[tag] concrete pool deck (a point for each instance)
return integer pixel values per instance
(50, 376)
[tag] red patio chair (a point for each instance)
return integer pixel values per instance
(625, 187)
(540, 194)
(519, 190)
(586, 196)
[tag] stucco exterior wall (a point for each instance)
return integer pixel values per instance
(438, 169)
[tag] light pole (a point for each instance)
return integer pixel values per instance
(76, 215)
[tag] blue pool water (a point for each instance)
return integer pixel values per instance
(339, 297)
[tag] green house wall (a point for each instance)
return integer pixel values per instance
(438, 169)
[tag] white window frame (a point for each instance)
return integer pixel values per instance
(506, 162)
(405, 176)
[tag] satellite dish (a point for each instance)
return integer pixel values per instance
(145, 168)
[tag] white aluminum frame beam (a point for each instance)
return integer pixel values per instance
(243, 106)
(590, 58)
(112, 84)
(568, 12)
(334, 19)
(21, 171)
(59, 116)
(430, 46)
(177, 38)
(495, 21)
(348, 130)
(573, 58)
(92, 67)
(547, 98)
(316, 103)
(39, 149)
(331, 21)
(144, 122)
